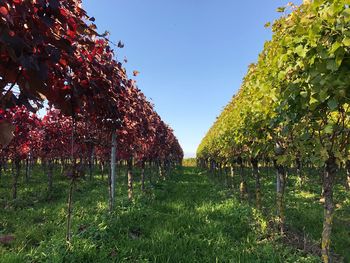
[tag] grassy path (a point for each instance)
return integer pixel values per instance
(188, 218)
(192, 219)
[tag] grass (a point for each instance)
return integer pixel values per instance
(190, 217)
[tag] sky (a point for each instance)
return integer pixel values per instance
(191, 54)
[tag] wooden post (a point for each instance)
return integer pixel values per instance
(113, 162)
(130, 179)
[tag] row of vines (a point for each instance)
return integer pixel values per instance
(51, 52)
(293, 107)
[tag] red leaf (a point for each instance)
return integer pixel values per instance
(4, 11)
(63, 62)
(63, 12)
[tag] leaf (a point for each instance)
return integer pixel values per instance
(6, 133)
(334, 47)
(301, 51)
(323, 154)
(313, 100)
(120, 44)
(282, 75)
(303, 94)
(339, 59)
(267, 25)
(332, 104)
(328, 129)
(4, 11)
(346, 42)
(135, 73)
(323, 95)
(332, 65)
(280, 9)
(346, 14)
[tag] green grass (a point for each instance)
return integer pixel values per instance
(190, 217)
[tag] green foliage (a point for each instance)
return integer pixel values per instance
(296, 95)
(294, 102)
(189, 162)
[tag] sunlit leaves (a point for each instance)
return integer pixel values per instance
(301, 51)
(298, 91)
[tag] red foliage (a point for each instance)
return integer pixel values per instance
(49, 49)
(26, 126)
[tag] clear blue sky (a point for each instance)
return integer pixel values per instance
(191, 54)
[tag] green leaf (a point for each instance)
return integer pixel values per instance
(282, 159)
(346, 14)
(281, 75)
(332, 104)
(323, 95)
(339, 59)
(346, 42)
(328, 129)
(318, 2)
(324, 153)
(334, 47)
(332, 65)
(301, 51)
(281, 9)
(303, 94)
(267, 25)
(313, 100)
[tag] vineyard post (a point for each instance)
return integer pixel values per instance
(232, 174)
(150, 172)
(27, 169)
(243, 184)
(113, 164)
(16, 174)
(280, 186)
(49, 176)
(256, 174)
(143, 176)
(102, 168)
(91, 161)
(130, 178)
(298, 168)
(70, 209)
